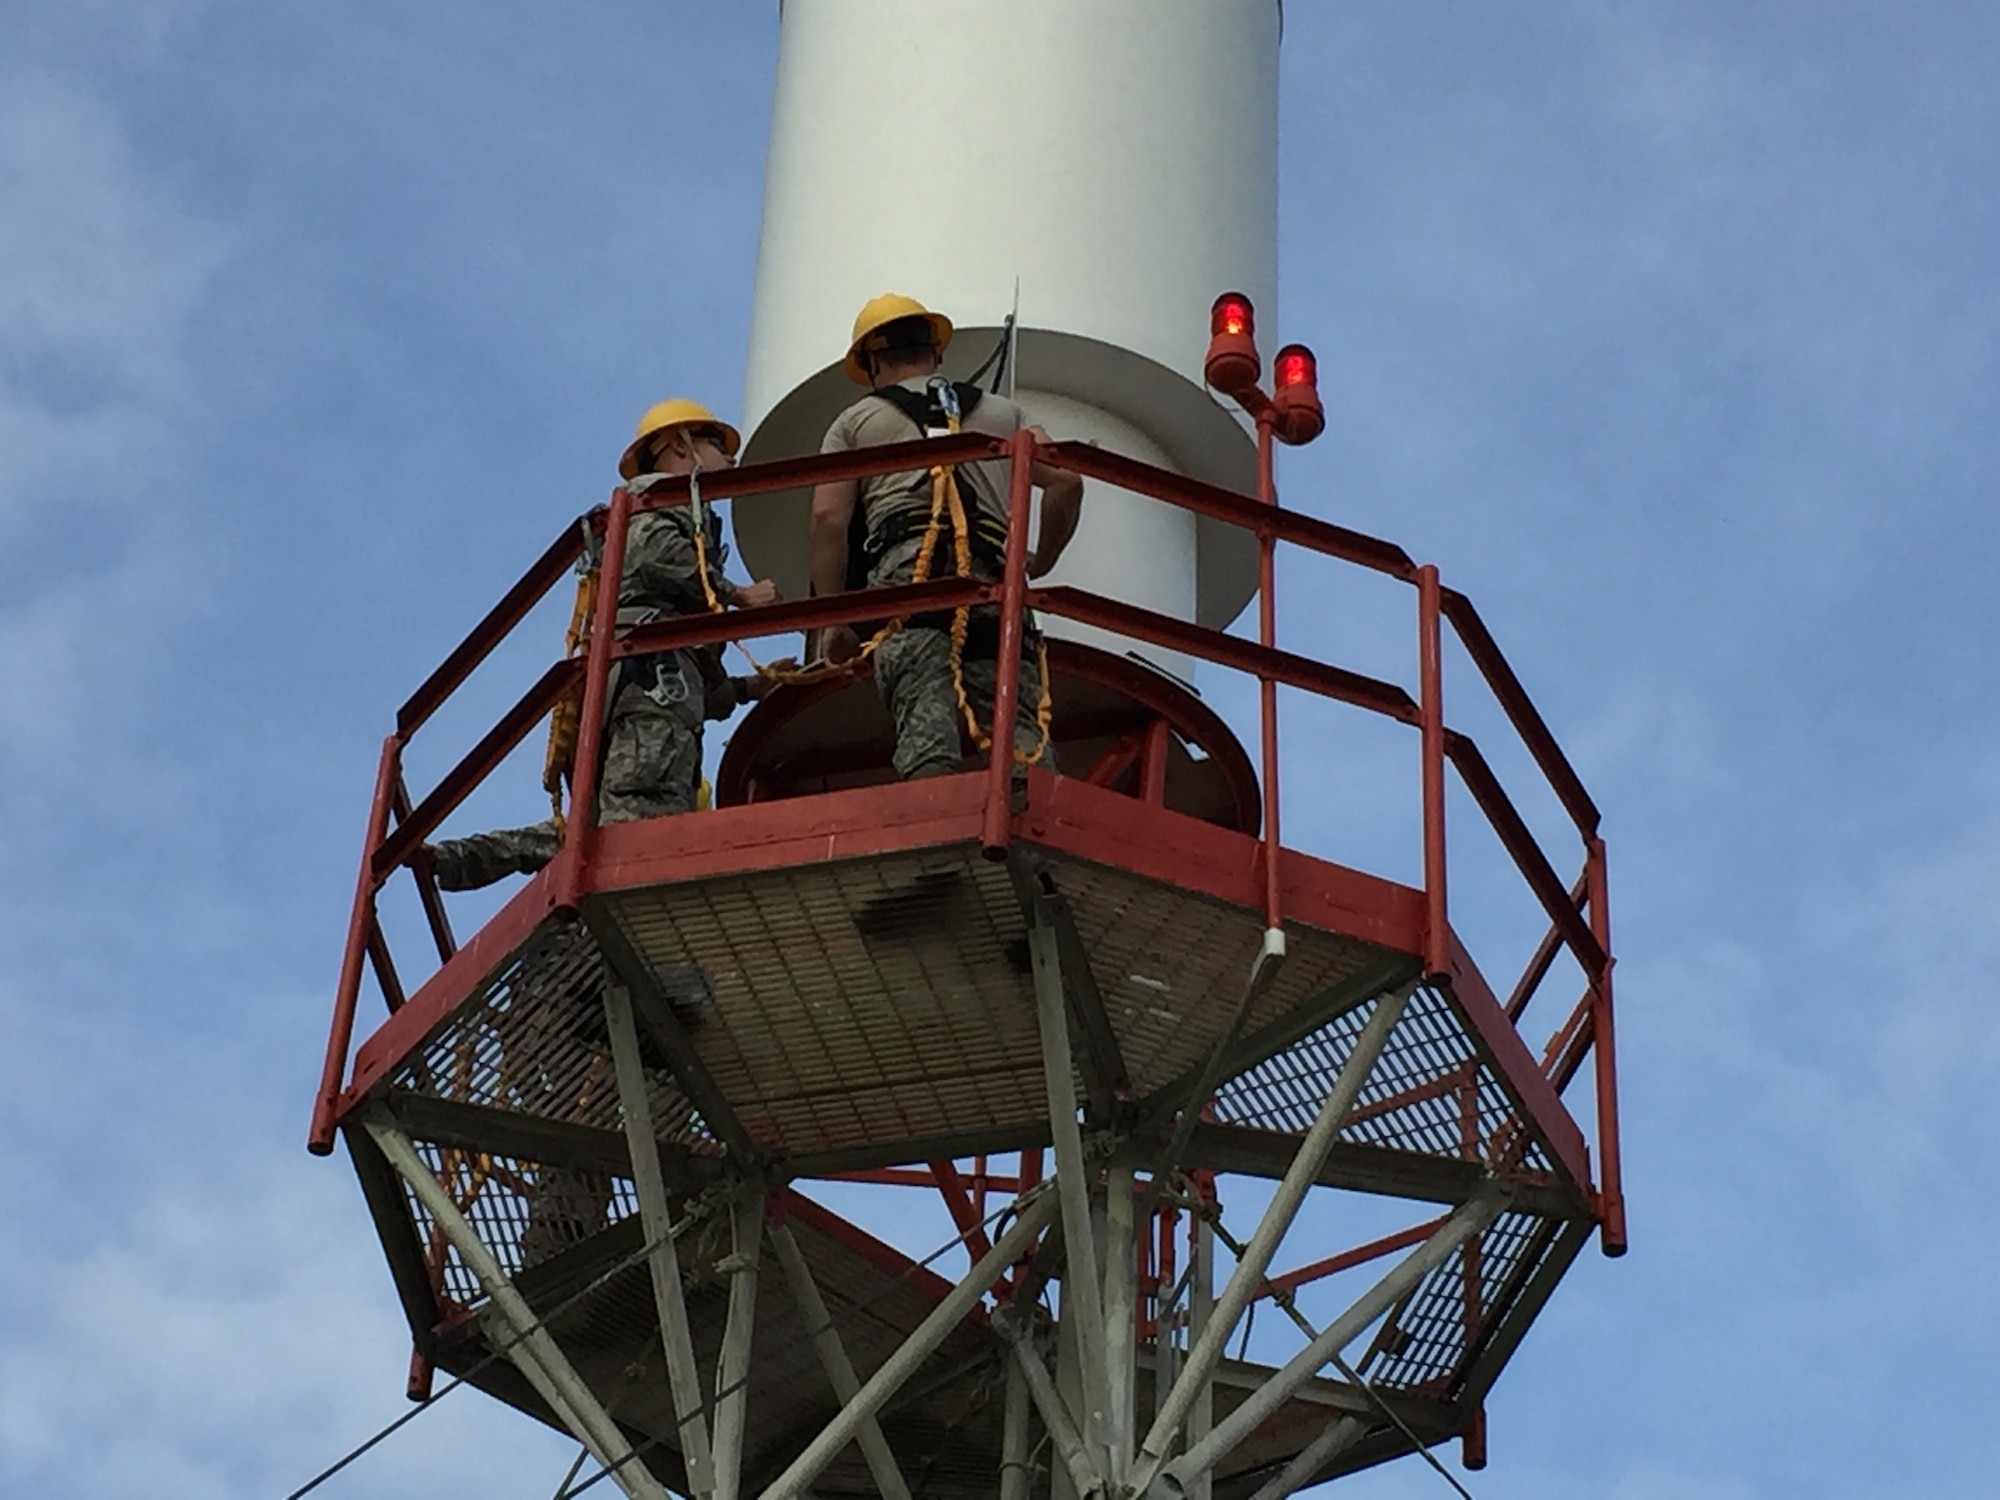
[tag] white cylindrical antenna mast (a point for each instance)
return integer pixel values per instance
(1117, 157)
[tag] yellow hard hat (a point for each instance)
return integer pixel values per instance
(891, 307)
(677, 412)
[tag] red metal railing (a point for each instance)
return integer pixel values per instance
(1578, 913)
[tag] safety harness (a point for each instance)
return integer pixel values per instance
(942, 406)
(559, 760)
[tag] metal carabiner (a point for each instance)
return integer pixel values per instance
(946, 395)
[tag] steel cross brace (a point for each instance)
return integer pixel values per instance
(833, 1359)
(1083, 1295)
(1329, 1442)
(1085, 1471)
(533, 1348)
(1206, 1352)
(1032, 1217)
(1101, 1061)
(654, 1009)
(1336, 1437)
(1169, 1481)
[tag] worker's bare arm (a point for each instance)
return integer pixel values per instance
(1062, 506)
(832, 510)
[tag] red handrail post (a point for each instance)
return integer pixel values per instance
(996, 828)
(1472, 1441)
(1267, 686)
(1430, 659)
(581, 827)
(1611, 1173)
(341, 1034)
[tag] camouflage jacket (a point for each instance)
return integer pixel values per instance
(662, 577)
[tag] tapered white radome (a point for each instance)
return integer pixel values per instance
(1115, 159)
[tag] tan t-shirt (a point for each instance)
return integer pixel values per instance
(872, 422)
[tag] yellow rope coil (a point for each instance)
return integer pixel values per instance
(944, 487)
(567, 716)
(824, 670)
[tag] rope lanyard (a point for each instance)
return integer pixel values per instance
(566, 718)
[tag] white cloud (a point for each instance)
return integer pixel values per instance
(102, 275)
(226, 1328)
(103, 280)
(101, 29)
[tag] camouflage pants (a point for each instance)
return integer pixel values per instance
(652, 769)
(913, 671)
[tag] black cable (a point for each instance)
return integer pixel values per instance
(1283, 1297)
(674, 1231)
(563, 1491)
(997, 360)
(1423, 1450)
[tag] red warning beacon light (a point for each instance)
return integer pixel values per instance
(1292, 413)
(1295, 395)
(1232, 366)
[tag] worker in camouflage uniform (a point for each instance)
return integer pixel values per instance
(657, 704)
(896, 350)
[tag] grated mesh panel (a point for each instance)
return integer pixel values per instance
(1171, 966)
(533, 1039)
(1429, 1091)
(850, 1004)
(1427, 1341)
(524, 1213)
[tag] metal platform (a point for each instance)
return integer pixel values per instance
(877, 1006)
(589, 1138)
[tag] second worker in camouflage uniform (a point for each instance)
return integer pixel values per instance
(896, 352)
(657, 704)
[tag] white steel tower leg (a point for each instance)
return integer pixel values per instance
(533, 1349)
(1121, 1317)
(732, 1374)
(1201, 1313)
(1082, 1299)
(1015, 1479)
(683, 1376)
(833, 1359)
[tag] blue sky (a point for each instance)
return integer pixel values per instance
(1667, 329)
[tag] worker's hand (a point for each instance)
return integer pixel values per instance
(757, 595)
(841, 644)
(759, 686)
(1039, 565)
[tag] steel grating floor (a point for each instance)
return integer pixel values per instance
(879, 1010)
